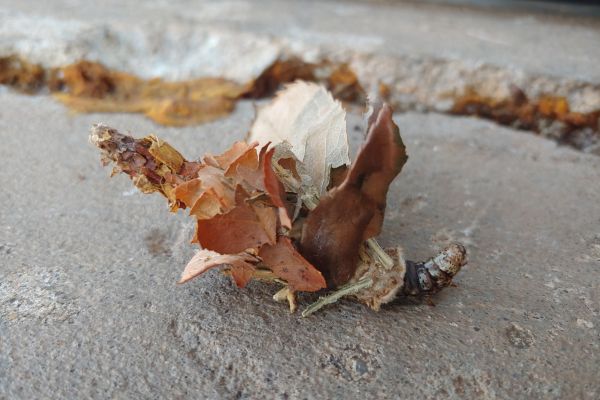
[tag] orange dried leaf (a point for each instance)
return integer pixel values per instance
(273, 186)
(242, 265)
(207, 206)
(248, 160)
(241, 274)
(189, 192)
(153, 165)
(268, 219)
(237, 230)
(239, 149)
(208, 195)
(91, 87)
(285, 262)
(254, 177)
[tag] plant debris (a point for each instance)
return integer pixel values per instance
(546, 114)
(91, 87)
(268, 209)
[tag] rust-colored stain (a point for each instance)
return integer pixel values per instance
(339, 79)
(91, 87)
(517, 110)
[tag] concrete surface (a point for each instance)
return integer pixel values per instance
(428, 56)
(88, 302)
(89, 307)
(564, 46)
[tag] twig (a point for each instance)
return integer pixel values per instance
(345, 290)
(379, 254)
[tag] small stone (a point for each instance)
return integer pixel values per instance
(519, 337)
(582, 323)
(360, 367)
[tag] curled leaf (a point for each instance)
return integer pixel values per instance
(306, 123)
(285, 262)
(153, 165)
(207, 195)
(378, 162)
(242, 265)
(239, 229)
(240, 153)
(353, 211)
(274, 188)
(333, 232)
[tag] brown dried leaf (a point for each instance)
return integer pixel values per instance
(153, 165)
(353, 212)
(285, 262)
(20, 74)
(242, 265)
(378, 162)
(333, 232)
(274, 188)
(239, 229)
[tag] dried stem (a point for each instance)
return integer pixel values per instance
(346, 290)
(377, 252)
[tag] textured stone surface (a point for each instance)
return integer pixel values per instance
(428, 56)
(564, 46)
(89, 305)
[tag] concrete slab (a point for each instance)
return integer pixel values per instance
(89, 307)
(135, 36)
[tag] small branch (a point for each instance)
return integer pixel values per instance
(345, 290)
(379, 254)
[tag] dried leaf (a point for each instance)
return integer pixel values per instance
(254, 177)
(234, 153)
(208, 195)
(91, 87)
(304, 121)
(268, 219)
(339, 79)
(20, 74)
(241, 274)
(242, 265)
(333, 232)
(285, 262)
(189, 192)
(153, 166)
(166, 154)
(208, 205)
(353, 211)
(239, 229)
(274, 188)
(378, 162)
